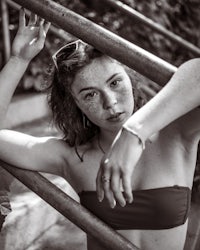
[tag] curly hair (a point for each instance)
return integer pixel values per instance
(66, 115)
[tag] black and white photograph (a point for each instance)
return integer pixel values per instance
(99, 125)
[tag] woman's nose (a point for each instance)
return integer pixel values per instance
(110, 100)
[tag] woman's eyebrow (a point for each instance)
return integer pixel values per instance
(84, 89)
(110, 78)
(89, 88)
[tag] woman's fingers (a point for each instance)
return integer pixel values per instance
(41, 21)
(127, 186)
(22, 19)
(99, 186)
(103, 184)
(110, 186)
(32, 20)
(42, 33)
(116, 188)
(39, 31)
(107, 191)
(46, 26)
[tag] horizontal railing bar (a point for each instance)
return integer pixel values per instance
(69, 208)
(109, 43)
(140, 18)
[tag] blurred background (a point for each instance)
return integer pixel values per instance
(33, 224)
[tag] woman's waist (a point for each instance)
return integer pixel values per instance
(145, 239)
(165, 239)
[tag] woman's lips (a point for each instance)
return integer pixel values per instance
(116, 117)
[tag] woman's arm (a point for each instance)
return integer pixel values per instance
(42, 154)
(21, 150)
(179, 96)
(45, 154)
(27, 44)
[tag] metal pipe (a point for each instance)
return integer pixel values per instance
(109, 43)
(71, 209)
(5, 27)
(140, 18)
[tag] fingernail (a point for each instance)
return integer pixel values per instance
(123, 204)
(113, 204)
(100, 199)
(130, 200)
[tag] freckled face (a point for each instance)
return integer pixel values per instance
(103, 92)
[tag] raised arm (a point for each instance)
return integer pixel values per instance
(27, 44)
(179, 96)
(9, 78)
(21, 150)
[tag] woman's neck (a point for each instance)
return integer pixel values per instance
(105, 139)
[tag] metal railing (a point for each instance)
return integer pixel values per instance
(58, 32)
(5, 30)
(109, 43)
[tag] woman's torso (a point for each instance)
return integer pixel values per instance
(166, 161)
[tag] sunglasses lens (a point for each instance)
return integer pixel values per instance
(64, 53)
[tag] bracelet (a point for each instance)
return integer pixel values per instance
(135, 133)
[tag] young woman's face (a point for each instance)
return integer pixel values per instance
(103, 92)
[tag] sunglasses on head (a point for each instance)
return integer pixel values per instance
(64, 52)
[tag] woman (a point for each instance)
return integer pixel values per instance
(92, 98)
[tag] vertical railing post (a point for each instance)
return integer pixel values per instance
(5, 28)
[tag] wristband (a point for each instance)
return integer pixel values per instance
(135, 133)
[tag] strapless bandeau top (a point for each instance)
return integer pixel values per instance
(159, 208)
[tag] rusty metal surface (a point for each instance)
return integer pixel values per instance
(5, 29)
(109, 43)
(138, 17)
(69, 208)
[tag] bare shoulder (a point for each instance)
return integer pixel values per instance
(62, 150)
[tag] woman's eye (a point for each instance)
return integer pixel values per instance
(90, 95)
(115, 83)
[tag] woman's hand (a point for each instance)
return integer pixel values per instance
(30, 38)
(116, 169)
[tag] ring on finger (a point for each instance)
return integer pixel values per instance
(105, 179)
